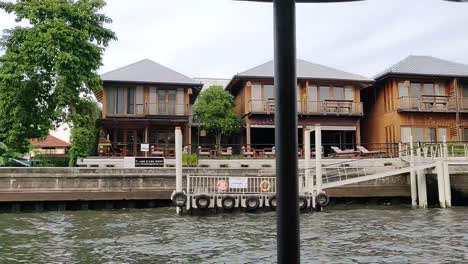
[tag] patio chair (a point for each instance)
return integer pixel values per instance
(227, 153)
(157, 152)
(247, 153)
(344, 153)
(203, 151)
(366, 152)
(269, 152)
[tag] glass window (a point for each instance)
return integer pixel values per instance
(268, 92)
(428, 89)
(338, 93)
(139, 100)
(153, 97)
(405, 134)
(324, 93)
(171, 102)
(120, 100)
(440, 89)
(130, 100)
(442, 134)
(465, 134)
(349, 93)
(256, 92)
(432, 135)
(402, 89)
(416, 89)
(312, 93)
(162, 106)
(465, 90)
(180, 101)
(110, 97)
(418, 134)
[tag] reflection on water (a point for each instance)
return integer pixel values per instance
(372, 235)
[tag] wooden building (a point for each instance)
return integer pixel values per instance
(326, 96)
(421, 96)
(50, 146)
(142, 104)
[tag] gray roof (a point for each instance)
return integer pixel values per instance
(426, 65)
(147, 71)
(305, 70)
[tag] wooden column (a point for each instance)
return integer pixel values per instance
(247, 135)
(146, 139)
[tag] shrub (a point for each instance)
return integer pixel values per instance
(190, 160)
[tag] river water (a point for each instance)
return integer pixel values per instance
(341, 235)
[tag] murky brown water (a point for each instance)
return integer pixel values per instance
(372, 235)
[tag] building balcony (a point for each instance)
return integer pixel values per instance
(152, 109)
(326, 107)
(431, 103)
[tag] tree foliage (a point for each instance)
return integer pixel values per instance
(214, 109)
(48, 65)
(84, 134)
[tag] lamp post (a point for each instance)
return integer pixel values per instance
(288, 245)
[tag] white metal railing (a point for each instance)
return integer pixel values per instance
(437, 150)
(219, 184)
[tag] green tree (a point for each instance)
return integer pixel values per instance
(48, 65)
(84, 133)
(214, 109)
(5, 154)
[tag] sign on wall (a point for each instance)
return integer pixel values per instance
(144, 147)
(154, 162)
(238, 182)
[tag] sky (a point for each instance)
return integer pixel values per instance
(219, 38)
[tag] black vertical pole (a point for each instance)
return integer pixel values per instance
(286, 131)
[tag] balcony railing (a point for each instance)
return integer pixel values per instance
(335, 107)
(166, 109)
(424, 103)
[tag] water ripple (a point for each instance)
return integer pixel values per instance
(341, 235)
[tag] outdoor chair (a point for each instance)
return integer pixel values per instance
(269, 152)
(203, 151)
(366, 152)
(344, 153)
(247, 153)
(227, 152)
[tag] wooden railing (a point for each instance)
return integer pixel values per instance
(435, 103)
(336, 107)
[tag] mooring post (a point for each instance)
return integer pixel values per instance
(422, 188)
(414, 190)
(178, 161)
(318, 158)
(441, 183)
(448, 192)
(307, 155)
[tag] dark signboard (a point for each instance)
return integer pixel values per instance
(149, 162)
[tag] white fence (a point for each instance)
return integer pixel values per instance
(230, 185)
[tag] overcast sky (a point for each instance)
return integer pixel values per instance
(219, 38)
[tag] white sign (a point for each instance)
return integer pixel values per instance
(238, 182)
(144, 147)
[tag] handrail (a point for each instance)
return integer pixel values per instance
(339, 107)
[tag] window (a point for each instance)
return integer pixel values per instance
(268, 92)
(432, 135)
(440, 89)
(338, 93)
(428, 89)
(465, 134)
(465, 90)
(418, 134)
(402, 89)
(415, 89)
(115, 100)
(312, 93)
(405, 134)
(139, 100)
(130, 100)
(349, 93)
(442, 135)
(256, 91)
(324, 93)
